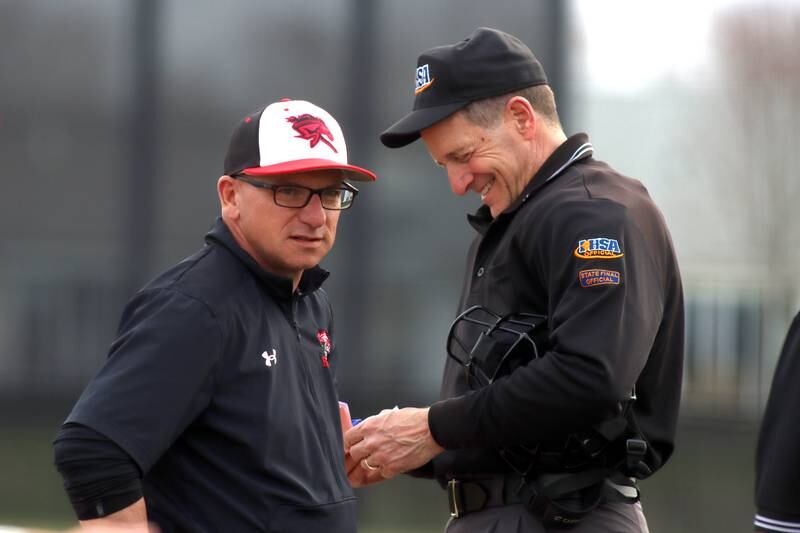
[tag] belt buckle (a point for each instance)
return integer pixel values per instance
(453, 497)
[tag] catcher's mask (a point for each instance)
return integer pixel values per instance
(490, 346)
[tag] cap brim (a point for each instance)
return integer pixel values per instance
(406, 130)
(306, 165)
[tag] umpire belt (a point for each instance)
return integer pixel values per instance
(469, 496)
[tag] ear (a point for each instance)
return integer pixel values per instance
(520, 114)
(228, 197)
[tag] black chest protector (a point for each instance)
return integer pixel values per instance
(561, 481)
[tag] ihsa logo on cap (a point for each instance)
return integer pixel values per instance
(423, 79)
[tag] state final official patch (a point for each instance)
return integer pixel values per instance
(598, 276)
(598, 248)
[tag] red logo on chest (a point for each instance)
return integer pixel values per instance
(312, 129)
(325, 343)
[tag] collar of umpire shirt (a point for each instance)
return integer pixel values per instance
(279, 286)
(573, 149)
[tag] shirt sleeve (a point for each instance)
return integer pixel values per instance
(777, 491)
(158, 376)
(605, 284)
(99, 477)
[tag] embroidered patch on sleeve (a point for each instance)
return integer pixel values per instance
(598, 248)
(597, 276)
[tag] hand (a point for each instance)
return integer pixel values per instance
(359, 475)
(394, 441)
(115, 529)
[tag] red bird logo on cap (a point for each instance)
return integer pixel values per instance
(312, 129)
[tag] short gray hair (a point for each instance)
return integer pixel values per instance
(486, 113)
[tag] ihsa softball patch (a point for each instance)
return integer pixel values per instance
(598, 248)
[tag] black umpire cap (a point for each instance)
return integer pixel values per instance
(487, 63)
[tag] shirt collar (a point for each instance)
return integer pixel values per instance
(280, 286)
(573, 149)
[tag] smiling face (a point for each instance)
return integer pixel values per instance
(494, 162)
(283, 240)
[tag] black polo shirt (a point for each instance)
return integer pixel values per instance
(220, 385)
(589, 249)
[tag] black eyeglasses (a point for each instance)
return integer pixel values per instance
(333, 198)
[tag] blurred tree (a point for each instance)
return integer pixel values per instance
(757, 136)
(744, 150)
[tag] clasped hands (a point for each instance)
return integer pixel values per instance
(387, 444)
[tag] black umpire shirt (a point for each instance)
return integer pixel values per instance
(220, 386)
(778, 456)
(589, 249)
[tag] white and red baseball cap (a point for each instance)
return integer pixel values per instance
(289, 136)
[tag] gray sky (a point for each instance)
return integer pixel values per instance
(629, 45)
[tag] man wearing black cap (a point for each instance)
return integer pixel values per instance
(217, 408)
(560, 440)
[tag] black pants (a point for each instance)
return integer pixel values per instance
(612, 517)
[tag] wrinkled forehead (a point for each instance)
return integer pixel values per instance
(449, 137)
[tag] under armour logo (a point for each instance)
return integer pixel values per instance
(270, 358)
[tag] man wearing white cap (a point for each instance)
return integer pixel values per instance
(217, 409)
